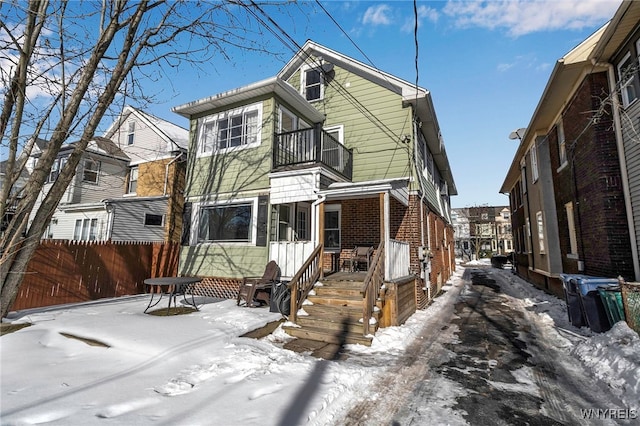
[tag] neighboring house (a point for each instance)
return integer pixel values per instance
(568, 182)
(488, 230)
(461, 233)
(329, 152)
(128, 186)
(151, 206)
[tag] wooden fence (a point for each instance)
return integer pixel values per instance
(71, 271)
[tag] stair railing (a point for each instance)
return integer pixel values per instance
(371, 287)
(304, 280)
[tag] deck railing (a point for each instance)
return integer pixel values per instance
(371, 287)
(304, 280)
(290, 255)
(312, 146)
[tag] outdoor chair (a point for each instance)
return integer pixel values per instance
(257, 290)
(361, 254)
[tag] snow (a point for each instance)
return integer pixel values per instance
(196, 369)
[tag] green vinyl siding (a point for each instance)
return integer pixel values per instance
(244, 169)
(374, 122)
(216, 260)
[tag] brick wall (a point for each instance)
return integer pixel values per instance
(592, 181)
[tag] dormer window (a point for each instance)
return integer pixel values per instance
(312, 87)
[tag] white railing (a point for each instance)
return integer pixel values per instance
(397, 260)
(290, 255)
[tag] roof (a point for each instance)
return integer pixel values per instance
(174, 135)
(567, 72)
(252, 91)
(621, 25)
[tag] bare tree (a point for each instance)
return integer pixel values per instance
(64, 66)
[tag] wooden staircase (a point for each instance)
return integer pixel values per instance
(335, 312)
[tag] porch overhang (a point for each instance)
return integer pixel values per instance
(398, 188)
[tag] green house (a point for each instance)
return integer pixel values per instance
(327, 155)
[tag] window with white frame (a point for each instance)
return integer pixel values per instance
(571, 224)
(90, 170)
(562, 149)
(540, 224)
(527, 232)
(332, 227)
(534, 163)
(86, 230)
(523, 179)
(626, 73)
(56, 167)
(132, 184)
(225, 223)
(131, 132)
(312, 86)
(233, 129)
(303, 223)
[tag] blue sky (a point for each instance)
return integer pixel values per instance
(486, 64)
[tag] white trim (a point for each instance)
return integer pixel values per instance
(333, 208)
(195, 221)
(303, 81)
(213, 120)
(624, 84)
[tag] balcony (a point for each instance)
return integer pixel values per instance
(310, 147)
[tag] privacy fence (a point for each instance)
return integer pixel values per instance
(71, 271)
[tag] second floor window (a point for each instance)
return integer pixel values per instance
(57, 166)
(562, 149)
(132, 185)
(231, 129)
(627, 69)
(91, 170)
(534, 163)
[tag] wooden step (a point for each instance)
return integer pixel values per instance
(354, 313)
(333, 324)
(354, 301)
(328, 336)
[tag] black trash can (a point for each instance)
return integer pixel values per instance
(572, 298)
(592, 305)
(280, 298)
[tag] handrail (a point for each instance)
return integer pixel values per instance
(304, 280)
(371, 286)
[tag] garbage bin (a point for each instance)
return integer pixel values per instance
(572, 298)
(631, 303)
(592, 305)
(280, 298)
(612, 299)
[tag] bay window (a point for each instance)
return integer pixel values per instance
(233, 129)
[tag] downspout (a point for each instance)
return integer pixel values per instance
(623, 167)
(425, 276)
(166, 172)
(110, 209)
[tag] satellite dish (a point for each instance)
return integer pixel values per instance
(327, 67)
(517, 134)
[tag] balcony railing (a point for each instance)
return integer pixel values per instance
(309, 147)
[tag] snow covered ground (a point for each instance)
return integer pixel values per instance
(195, 369)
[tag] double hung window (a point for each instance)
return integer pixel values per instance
(91, 170)
(131, 133)
(132, 185)
(627, 70)
(562, 149)
(56, 167)
(312, 87)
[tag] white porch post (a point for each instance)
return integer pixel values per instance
(386, 232)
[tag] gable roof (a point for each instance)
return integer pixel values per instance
(174, 135)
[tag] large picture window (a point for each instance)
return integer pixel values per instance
(86, 230)
(231, 130)
(227, 223)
